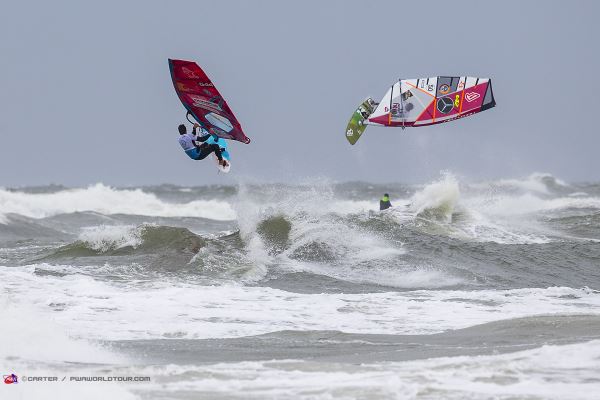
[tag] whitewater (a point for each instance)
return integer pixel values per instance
(462, 290)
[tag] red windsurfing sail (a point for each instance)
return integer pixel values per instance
(200, 97)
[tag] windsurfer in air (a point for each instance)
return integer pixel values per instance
(194, 145)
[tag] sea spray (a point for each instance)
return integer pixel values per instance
(437, 199)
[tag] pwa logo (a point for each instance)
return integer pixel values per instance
(12, 378)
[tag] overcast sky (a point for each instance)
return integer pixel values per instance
(86, 96)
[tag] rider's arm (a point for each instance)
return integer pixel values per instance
(202, 138)
(199, 139)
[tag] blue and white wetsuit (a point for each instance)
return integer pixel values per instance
(194, 147)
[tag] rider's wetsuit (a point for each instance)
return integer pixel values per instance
(385, 203)
(195, 149)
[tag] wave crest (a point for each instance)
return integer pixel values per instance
(106, 200)
(438, 199)
(131, 240)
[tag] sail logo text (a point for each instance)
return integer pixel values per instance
(189, 73)
(472, 96)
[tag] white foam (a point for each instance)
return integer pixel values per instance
(502, 217)
(106, 200)
(549, 372)
(440, 196)
(398, 276)
(29, 334)
(33, 344)
(353, 206)
(314, 215)
(537, 182)
(529, 204)
(481, 229)
(112, 237)
(438, 203)
(516, 219)
(97, 309)
(578, 194)
(65, 390)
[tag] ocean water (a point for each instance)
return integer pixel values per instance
(463, 290)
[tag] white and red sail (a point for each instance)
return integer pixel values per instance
(428, 101)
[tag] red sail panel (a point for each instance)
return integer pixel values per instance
(202, 99)
(458, 104)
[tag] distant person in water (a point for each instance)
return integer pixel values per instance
(194, 145)
(384, 203)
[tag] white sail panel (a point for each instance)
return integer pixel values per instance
(384, 105)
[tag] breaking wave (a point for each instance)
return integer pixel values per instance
(445, 234)
(438, 199)
(106, 200)
(537, 182)
(110, 239)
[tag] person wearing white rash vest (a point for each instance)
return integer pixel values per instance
(194, 145)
